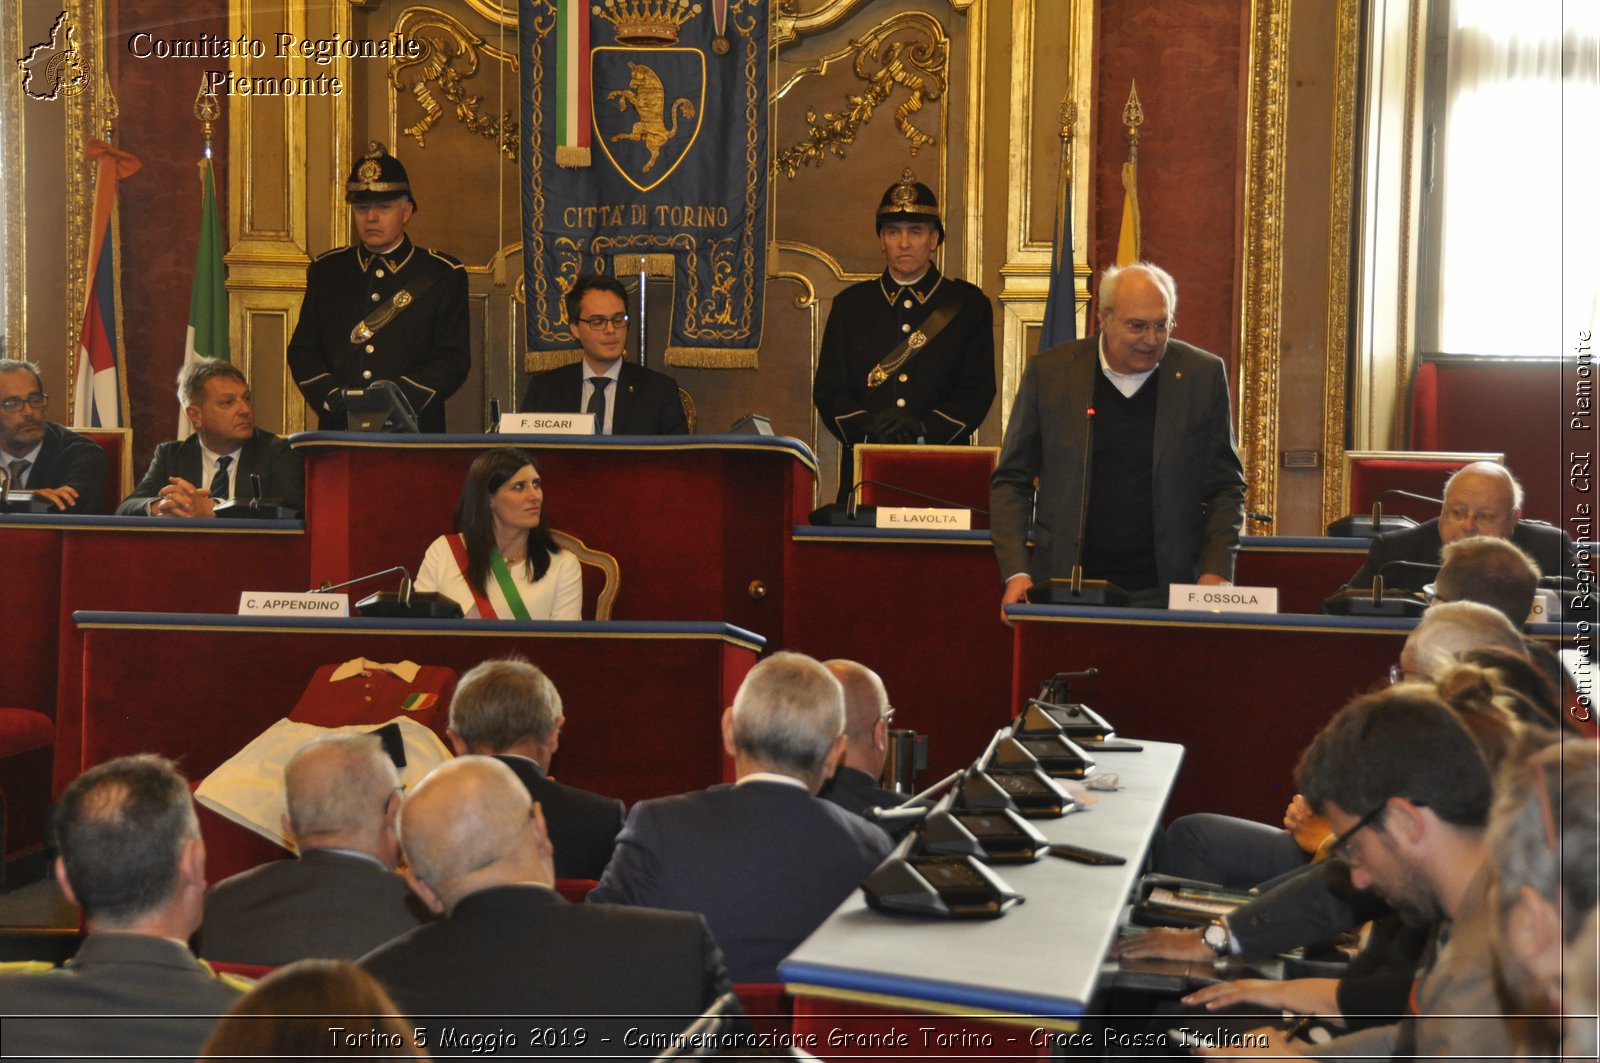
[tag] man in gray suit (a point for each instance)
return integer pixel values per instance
(132, 860)
(1165, 491)
(341, 898)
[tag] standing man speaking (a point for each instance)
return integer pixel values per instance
(1166, 490)
(908, 357)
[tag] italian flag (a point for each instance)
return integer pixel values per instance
(573, 106)
(207, 334)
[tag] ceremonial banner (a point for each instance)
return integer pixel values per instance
(100, 393)
(645, 145)
(207, 334)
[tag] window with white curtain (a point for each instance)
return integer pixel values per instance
(1511, 220)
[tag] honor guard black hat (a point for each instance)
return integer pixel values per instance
(377, 177)
(909, 200)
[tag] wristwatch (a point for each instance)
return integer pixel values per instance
(1216, 938)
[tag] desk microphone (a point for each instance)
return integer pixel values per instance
(1379, 600)
(494, 417)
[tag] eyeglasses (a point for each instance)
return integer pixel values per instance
(37, 400)
(599, 323)
(888, 714)
(1160, 328)
(1340, 846)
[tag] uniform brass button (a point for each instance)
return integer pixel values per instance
(379, 274)
(904, 378)
(906, 304)
(370, 348)
(899, 402)
(366, 374)
(905, 328)
(374, 296)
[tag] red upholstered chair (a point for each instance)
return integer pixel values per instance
(1367, 473)
(770, 1008)
(575, 889)
(256, 971)
(957, 474)
(27, 747)
(118, 445)
(602, 576)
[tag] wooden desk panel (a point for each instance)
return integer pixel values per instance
(923, 611)
(693, 521)
(643, 702)
(1245, 695)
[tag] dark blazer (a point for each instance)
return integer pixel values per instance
(646, 402)
(524, 950)
(765, 863)
(583, 826)
(1198, 481)
(282, 472)
(67, 459)
(426, 349)
(1550, 547)
(172, 1001)
(325, 905)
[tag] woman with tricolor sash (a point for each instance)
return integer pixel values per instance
(502, 563)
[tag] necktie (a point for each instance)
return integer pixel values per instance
(219, 482)
(597, 402)
(19, 471)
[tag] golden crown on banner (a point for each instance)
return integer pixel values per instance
(649, 23)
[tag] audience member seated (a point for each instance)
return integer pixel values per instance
(188, 478)
(1490, 571)
(764, 860)
(132, 860)
(867, 716)
(1411, 828)
(627, 399)
(1319, 901)
(1479, 499)
(511, 711)
(478, 854)
(314, 1009)
(342, 897)
(52, 461)
(1542, 833)
(502, 562)
(1450, 629)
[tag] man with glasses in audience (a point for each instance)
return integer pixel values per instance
(626, 398)
(1479, 499)
(55, 463)
(1165, 490)
(1413, 830)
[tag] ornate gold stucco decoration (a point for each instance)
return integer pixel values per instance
(449, 58)
(909, 50)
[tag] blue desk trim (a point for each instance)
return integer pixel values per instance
(459, 441)
(1299, 543)
(804, 532)
(104, 522)
(1293, 621)
(1184, 617)
(363, 625)
(922, 989)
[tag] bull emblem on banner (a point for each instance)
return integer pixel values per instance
(655, 125)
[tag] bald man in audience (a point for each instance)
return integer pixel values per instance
(508, 709)
(1479, 499)
(764, 860)
(342, 897)
(132, 860)
(477, 852)
(867, 716)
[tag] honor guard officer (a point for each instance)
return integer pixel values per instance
(908, 357)
(383, 308)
